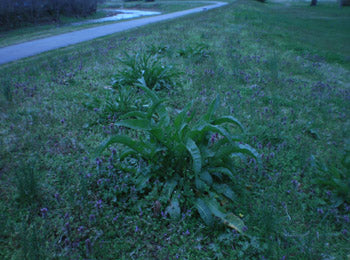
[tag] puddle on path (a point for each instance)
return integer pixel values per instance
(121, 14)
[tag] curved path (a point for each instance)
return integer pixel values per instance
(27, 49)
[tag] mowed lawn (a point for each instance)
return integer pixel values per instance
(282, 70)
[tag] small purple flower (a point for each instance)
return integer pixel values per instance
(320, 211)
(163, 214)
(346, 219)
(98, 162)
(115, 218)
(347, 207)
(92, 218)
(62, 121)
(253, 161)
(43, 212)
(345, 231)
(186, 233)
(245, 228)
(137, 229)
(76, 244)
(295, 182)
(212, 139)
(67, 226)
(81, 229)
(57, 196)
(67, 242)
(98, 204)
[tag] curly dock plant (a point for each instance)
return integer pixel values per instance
(195, 157)
(142, 65)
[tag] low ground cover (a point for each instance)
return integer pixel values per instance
(62, 197)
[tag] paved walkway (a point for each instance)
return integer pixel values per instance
(27, 49)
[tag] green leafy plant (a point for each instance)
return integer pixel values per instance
(156, 75)
(198, 51)
(336, 178)
(156, 49)
(116, 102)
(191, 157)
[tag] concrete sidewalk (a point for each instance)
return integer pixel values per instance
(27, 49)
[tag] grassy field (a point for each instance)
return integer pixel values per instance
(32, 32)
(281, 70)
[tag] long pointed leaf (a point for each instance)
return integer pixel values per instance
(205, 176)
(204, 212)
(200, 184)
(136, 124)
(229, 219)
(174, 209)
(247, 149)
(154, 108)
(225, 190)
(137, 114)
(228, 119)
(234, 222)
(142, 85)
(222, 170)
(179, 119)
(127, 153)
(215, 208)
(138, 146)
(169, 187)
(205, 128)
(196, 155)
(211, 110)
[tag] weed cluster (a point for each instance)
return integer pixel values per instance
(177, 158)
(142, 65)
(193, 159)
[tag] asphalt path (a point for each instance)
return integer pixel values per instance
(31, 48)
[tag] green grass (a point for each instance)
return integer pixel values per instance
(33, 32)
(283, 71)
